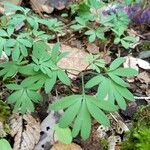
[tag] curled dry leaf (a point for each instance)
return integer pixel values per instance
(25, 130)
(60, 146)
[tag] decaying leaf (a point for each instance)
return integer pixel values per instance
(60, 146)
(135, 63)
(25, 130)
(49, 5)
(74, 61)
(47, 138)
(113, 140)
(144, 77)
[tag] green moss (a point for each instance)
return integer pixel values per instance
(104, 144)
(139, 136)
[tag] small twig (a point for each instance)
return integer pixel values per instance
(114, 117)
(146, 98)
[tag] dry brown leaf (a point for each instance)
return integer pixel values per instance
(60, 146)
(49, 5)
(144, 77)
(27, 135)
(92, 48)
(74, 61)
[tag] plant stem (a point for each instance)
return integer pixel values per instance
(82, 77)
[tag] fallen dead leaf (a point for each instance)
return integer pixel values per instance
(144, 77)
(27, 135)
(60, 146)
(92, 48)
(75, 62)
(143, 64)
(49, 5)
(131, 62)
(47, 138)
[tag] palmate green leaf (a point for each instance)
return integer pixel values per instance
(97, 113)
(118, 80)
(94, 81)
(63, 134)
(63, 77)
(70, 114)
(65, 102)
(8, 69)
(125, 72)
(23, 99)
(116, 63)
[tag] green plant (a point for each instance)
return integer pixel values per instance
(33, 67)
(4, 144)
(139, 135)
(79, 109)
(96, 25)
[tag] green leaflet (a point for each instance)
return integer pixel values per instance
(63, 77)
(4, 145)
(97, 113)
(102, 104)
(120, 100)
(50, 82)
(78, 122)
(116, 63)
(70, 114)
(103, 89)
(9, 69)
(23, 98)
(125, 72)
(94, 81)
(124, 92)
(63, 134)
(118, 80)
(65, 102)
(55, 52)
(86, 125)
